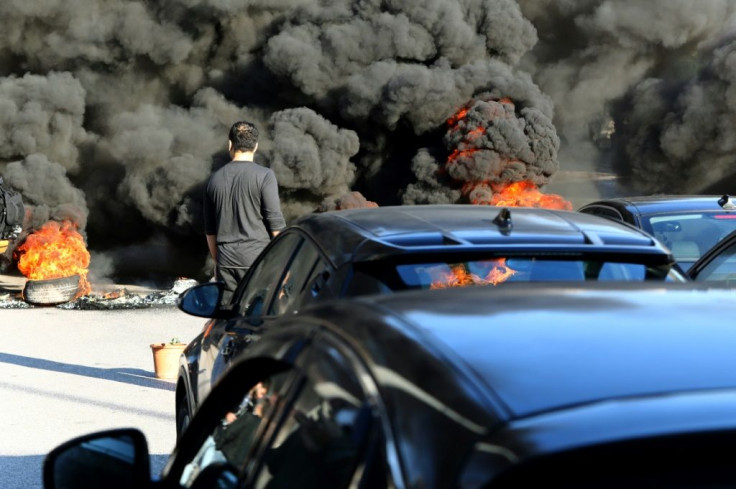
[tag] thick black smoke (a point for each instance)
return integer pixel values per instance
(644, 89)
(113, 113)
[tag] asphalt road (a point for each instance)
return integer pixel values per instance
(65, 373)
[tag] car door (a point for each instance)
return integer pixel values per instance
(218, 341)
(273, 299)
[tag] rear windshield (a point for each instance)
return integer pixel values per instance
(491, 272)
(690, 235)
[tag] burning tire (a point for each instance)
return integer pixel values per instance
(52, 291)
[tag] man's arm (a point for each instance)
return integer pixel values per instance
(271, 205)
(212, 245)
(210, 226)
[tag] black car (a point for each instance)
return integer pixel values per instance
(381, 250)
(627, 385)
(688, 224)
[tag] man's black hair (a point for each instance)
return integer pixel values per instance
(244, 136)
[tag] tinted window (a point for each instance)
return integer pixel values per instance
(318, 282)
(324, 438)
(443, 274)
(292, 287)
(252, 295)
(689, 236)
(238, 432)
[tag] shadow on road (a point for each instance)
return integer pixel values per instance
(133, 376)
(21, 471)
(158, 462)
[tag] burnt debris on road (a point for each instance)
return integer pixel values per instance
(111, 298)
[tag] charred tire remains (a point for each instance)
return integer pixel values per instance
(52, 291)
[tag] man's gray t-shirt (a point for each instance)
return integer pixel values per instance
(241, 206)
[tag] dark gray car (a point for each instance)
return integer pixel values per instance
(527, 385)
(358, 252)
(689, 225)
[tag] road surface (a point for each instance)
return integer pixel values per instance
(65, 373)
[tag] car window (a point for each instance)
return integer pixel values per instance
(252, 295)
(237, 434)
(325, 440)
(291, 289)
(318, 282)
(690, 235)
(721, 269)
(444, 274)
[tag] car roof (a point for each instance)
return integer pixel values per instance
(536, 348)
(511, 374)
(371, 233)
(655, 204)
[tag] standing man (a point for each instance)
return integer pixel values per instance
(242, 211)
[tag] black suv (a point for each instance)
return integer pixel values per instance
(382, 250)
(578, 386)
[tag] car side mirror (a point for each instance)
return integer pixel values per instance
(115, 459)
(203, 300)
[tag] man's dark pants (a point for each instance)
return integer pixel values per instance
(231, 276)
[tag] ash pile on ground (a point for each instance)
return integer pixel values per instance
(116, 300)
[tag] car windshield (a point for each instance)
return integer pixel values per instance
(454, 273)
(690, 235)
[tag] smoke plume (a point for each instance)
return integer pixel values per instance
(640, 88)
(113, 113)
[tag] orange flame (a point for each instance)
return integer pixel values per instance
(461, 114)
(115, 294)
(56, 250)
(460, 277)
(517, 194)
(457, 153)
